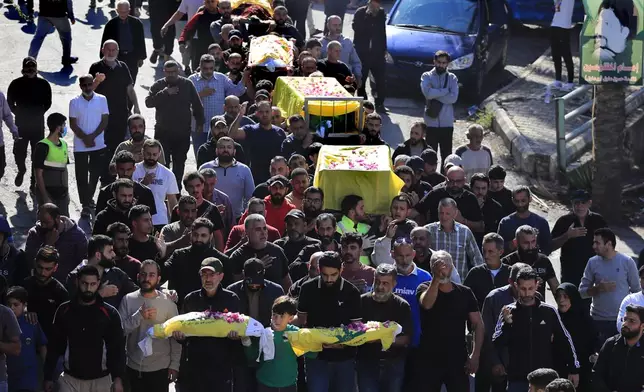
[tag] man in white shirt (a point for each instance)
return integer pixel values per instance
(159, 179)
(560, 42)
(631, 299)
(476, 158)
(88, 118)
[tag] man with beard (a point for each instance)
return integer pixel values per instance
(299, 183)
(176, 101)
(296, 238)
(377, 369)
(347, 54)
(619, 364)
(237, 234)
(159, 179)
(136, 125)
(60, 232)
(177, 234)
(118, 208)
(312, 206)
(355, 272)
(264, 141)
(325, 229)
(276, 204)
(194, 184)
(120, 234)
(45, 293)
(141, 310)
(330, 301)
(114, 282)
(446, 307)
(528, 252)
(393, 227)
(234, 178)
(235, 57)
(417, 184)
(531, 321)
(235, 113)
(29, 98)
(271, 255)
(521, 197)
(370, 136)
(491, 210)
(279, 166)
(112, 79)
(300, 138)
(182, 268)
(124, 164)
(218, 198)
(128, 31)
(225, 9)
(142, 245)
(469, 212)
(212, 87)
(498, 191)
(332, 67)
(491, 370)
(218, 129)
(313, 268)
(87, 331)
(308, 65)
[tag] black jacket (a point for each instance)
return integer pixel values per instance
(534, 338)
(619, 367)
(181, 270)
(87, 335)
(114, 276)
(405, 148)
(208, 152)
(111, 31)
(268, 295)
(15, 266)
(111, 214)
(142, 194)
(29, 100)
(480, 280)
(44, 299)
(369, 32)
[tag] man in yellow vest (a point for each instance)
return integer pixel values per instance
(50, 165)
(353, 214)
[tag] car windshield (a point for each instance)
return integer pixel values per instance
(456, 16)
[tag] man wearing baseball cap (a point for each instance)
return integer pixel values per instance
(218, 129)
(296, 238)
(276, 204)
(208, 356)
(430, 175)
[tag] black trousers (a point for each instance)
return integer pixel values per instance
(485, 380)
(440, 136)
(89, 168)
(129, 58)
(176, 144)
(3, 161)
(297, 10)
(374, 63)
(160, 12)
(435, 375)
(28, 137)
(333, 9)
(215, 379)
(148, 381)
(560, 46)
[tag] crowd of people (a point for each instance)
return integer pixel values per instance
(461, 262)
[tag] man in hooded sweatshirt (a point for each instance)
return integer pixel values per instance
(118, 208)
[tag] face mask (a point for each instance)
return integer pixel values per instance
(528, 255)
(63, 133)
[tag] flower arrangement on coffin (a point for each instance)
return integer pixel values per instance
(352, 158)
(354, 334)
(208, 324)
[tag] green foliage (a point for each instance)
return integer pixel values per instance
(484, 118)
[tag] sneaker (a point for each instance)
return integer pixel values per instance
(154, 57)
(19, 178)
(556, 84)
(69, 61)
(568, 86)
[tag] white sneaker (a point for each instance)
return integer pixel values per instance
(556, 84)
(568, 86)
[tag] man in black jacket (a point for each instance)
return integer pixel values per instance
(621, 359)
(493, 274)
(127, 30)
(416, 143)
(88, 332)
(370, 40)
(118, 208)
(533, 334)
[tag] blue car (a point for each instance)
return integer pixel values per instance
(474, 32)
(540, 12)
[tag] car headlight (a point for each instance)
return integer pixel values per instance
(462, 62)
(388, 58)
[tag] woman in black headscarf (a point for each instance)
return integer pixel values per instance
(579, 324)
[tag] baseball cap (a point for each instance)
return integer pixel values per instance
(297, 214)
(580, 195)
(29, 62)
(254, 271)
(429, 156)
(453, 160)
(278, 178)
(416, 163)
(261, 93)
(213, 264)
(218, 119)
(235, 33)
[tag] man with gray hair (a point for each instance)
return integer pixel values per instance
(525, 241)
(378, 369)
(271, 255)
(333, 67)
(446, 308)
(348, 54)
(493, 274)
(454, 237)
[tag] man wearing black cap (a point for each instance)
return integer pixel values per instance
(260, 96)
(296, 238)
(300, 138)
(330, 301)
(208, 151)
(55, 14)
(416, 144)
(29, 98)
(236, 41)
(208, 356)
(430, 175)
(573, 233)
(498, 191)
(411, 174)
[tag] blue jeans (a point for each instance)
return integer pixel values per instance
(518, 386)
(43, 28)
(326, 376)
(198, 138)
(381, 375)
